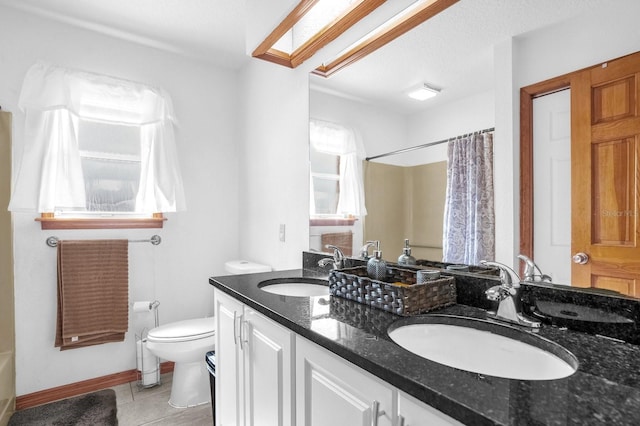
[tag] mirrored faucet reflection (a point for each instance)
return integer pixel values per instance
(338, 261)
(532, 272)
(364, 251)
(507, 294)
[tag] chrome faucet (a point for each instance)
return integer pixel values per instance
(364, 251)
(338, 260)
(508, 296)
(531, 271)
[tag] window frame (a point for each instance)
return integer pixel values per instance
(103, 220)
(49, 221)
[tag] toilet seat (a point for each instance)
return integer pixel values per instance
(182, 331)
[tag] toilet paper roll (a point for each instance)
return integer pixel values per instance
(147, 364)
(142, 306)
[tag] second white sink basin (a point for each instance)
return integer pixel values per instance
(484, 347)
(297, 287)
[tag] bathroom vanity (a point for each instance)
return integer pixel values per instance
(324, 360)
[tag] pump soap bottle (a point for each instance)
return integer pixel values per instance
(376, 266)
(406, 258)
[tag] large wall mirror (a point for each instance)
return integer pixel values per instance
(454, 54)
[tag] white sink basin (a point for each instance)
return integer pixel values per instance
(483, 347)
(297, 287)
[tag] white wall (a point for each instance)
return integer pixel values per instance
(274, 180)
(380, 130)
(455, 118)
(195, 243)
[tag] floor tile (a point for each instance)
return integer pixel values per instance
(142, 407)
(123, 393)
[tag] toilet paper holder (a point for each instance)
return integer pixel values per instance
(147, 364)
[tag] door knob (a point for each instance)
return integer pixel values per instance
(581, 258)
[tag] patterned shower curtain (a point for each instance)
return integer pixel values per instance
(469, 220)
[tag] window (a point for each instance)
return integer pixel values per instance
(312, 24)
(325, 174)
(335, 174)
(110, 157)
(99, 152)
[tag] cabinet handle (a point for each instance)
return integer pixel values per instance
(400, 421)
(235, 332)
(241, 325)
(375, 413)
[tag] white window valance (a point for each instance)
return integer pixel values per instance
(55, 100)
(338, 140)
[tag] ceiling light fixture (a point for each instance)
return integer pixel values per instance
(409, 18)
(317, 31)
(423, 92)
(290, 46)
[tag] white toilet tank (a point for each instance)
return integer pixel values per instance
(245, 267)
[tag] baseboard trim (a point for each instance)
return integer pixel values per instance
(79, 388)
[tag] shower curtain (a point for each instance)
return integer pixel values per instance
(469, 220)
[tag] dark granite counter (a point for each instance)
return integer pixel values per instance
(604, 391)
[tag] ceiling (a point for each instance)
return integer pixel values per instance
(452, 51)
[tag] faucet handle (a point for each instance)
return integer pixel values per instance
(337, 253)
(495, 293)
(364, 251)
(532, 272)
(508, 277)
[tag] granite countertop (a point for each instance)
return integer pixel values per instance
(604, 390)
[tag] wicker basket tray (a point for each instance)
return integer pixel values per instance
(399, 294)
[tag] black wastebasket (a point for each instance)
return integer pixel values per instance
(210, 358)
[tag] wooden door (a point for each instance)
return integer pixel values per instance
(605, 175)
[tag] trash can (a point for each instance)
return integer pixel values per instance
(210, 359)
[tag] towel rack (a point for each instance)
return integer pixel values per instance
(155, 240)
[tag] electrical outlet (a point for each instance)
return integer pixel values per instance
(282, 232)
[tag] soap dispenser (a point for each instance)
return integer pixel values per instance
(376, 266)
(406, 258)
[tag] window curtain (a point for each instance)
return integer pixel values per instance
(337, 140)
(50, 174)
(469, 220)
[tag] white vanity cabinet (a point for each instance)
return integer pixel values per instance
(331, 391)
(268, 375)
(229, 401)
(412, 412)
(254, 369)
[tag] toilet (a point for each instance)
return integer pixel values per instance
(185, 343)
(235, 267)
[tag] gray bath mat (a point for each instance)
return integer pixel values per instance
(93, 409)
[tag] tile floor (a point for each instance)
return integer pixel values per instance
(137, 407)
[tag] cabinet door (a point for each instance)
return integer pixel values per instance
(412, 412)
(229, 374)
(331, 391)
(268, 368)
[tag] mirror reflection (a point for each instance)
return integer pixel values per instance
(405, 191)
(368, 96)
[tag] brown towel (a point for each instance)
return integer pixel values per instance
(342, 240)
(93, 287)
